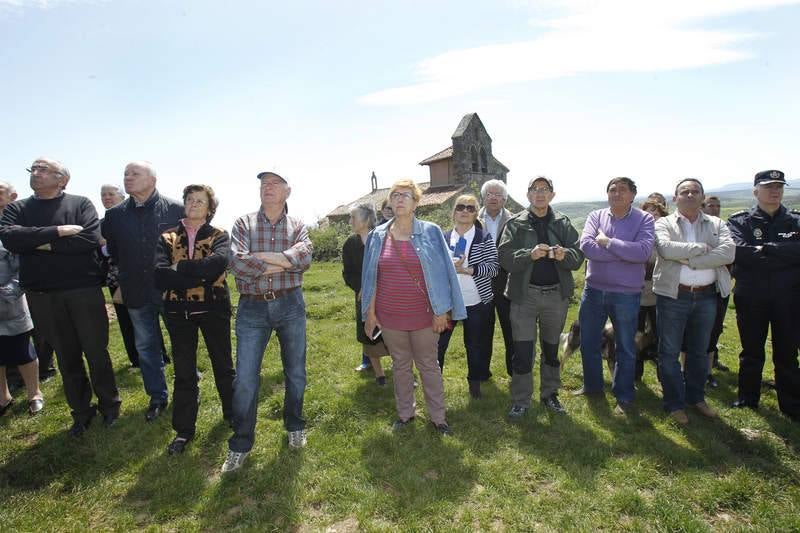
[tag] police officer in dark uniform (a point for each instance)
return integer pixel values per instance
(767, 272)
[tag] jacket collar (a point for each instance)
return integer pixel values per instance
(147, 203)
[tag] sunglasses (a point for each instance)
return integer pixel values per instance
(467, 208)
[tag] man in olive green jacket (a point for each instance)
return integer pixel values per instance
(539, 249)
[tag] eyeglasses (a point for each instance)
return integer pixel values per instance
(539, 190)
(467, 208)
(41, 168)
(494, 195)
(197, 201)
(397, 195)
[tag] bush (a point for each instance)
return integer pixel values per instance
(328, 241)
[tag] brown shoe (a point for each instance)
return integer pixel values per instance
(679, 416)
(705, 410)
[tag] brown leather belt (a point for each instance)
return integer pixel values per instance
(269, 295)
(696, 288)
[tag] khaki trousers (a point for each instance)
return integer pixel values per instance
(418, 348)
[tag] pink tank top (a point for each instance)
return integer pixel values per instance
(401, 299)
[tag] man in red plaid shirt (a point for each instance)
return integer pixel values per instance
(270, 252)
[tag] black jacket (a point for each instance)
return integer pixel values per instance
(197, 284)
(775, 266)
(132, 234)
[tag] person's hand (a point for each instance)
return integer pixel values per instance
(683, 261)
(559, 253)
(440, 323)
(371, 323)
(540, 251)
(458, 262)
(102, 242)
(273, 269)
(174, 267)
(69, 229)
(602, 239)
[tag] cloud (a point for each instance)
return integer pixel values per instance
(590, 36)
(43, 4)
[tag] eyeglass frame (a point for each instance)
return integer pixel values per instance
(469, 208)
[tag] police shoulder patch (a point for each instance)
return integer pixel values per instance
(739, 213)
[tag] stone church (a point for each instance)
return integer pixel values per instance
(467, 163)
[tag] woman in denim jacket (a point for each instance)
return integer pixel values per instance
(410, 292)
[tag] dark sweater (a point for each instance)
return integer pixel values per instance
(133, 233)
(72, 262)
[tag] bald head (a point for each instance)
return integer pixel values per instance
(140, 180)
(7, 194)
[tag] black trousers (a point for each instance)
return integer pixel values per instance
(75, 323)
(216, 329)
(716, 331)
(502, 305)
(755, 314)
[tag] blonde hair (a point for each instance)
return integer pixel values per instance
(406, 183)
(465, 199)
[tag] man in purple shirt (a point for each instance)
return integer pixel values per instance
(617, 242)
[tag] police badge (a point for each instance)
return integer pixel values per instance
(757, 233)
(775, 175)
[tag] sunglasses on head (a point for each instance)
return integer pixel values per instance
(467, 208)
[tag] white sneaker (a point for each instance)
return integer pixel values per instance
(234, 461)
(297, 439)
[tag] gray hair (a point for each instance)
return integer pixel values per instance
(147, 165)
(116, 188)
(8, 186)
(365, 212)
(494, 183)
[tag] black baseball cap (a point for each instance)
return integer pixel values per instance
(769, 176)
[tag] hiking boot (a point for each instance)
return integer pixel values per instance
(234, 461)
(517, 412)
(551, 403)
(297, 439)
(679, 416)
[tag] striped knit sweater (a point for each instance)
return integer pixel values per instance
(482, 256)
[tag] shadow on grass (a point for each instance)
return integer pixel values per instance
(167, 486)
(415, 471)
(98, 453)
(258, 496)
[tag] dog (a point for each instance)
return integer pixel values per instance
(644, 340)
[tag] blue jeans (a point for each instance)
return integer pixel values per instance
(623, 310)
(147, 335)
(691, 314)
(476, 330)
(255, 321)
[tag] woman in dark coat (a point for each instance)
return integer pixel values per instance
(191, 266)
(362, 220)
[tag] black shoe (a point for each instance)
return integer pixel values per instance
(719, 366)
(110, 420)
(177, 446)
(475, 389)
(552, 403)
(400, 424)
(6, 407)
(712, 382)
(740, 404)
(154, 411)
(381, 381)
(79, 428)
(442, 428)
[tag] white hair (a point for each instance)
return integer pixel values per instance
(147, 165)
(365, 212)
(8, 186)
(494, 183)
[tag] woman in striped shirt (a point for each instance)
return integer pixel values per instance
(475, 260)
(410, 291)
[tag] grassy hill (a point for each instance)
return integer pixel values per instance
(732, 201)
(587, 471)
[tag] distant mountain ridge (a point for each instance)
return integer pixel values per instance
(744, 186)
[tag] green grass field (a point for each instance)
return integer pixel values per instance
(586, 471)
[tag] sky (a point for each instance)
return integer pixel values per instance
(327, 92)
